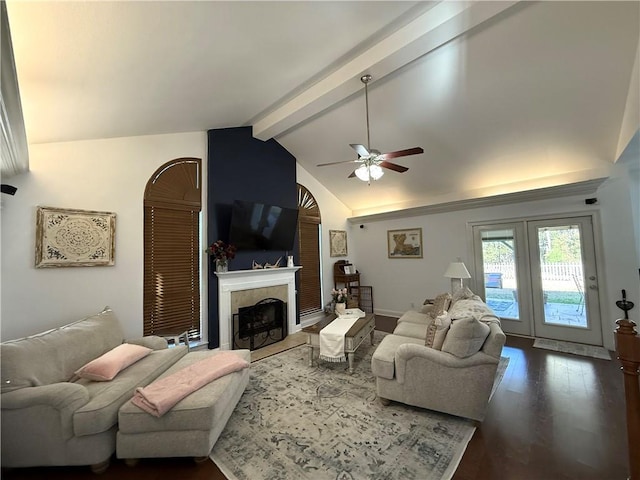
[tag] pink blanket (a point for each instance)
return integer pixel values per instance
(160, 396)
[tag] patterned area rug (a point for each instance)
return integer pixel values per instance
(574, 348)
(297, 422)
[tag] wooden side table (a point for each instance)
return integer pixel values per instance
(347, 279)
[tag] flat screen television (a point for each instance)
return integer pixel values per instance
(258, 226)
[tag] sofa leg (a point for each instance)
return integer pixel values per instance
(200, 459)
(101, 467)
(131, 462)
(385, 401)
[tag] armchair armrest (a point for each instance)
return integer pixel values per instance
(53, 404)
(153, 342)
(428, 361)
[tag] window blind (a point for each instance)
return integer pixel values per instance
(309, 296)
(172, 249)
(310, 288)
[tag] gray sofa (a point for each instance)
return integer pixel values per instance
(455, 373)
(49, 417)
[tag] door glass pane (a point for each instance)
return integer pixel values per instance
(500, 279)
(561, 272)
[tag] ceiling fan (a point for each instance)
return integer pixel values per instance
(371, 160)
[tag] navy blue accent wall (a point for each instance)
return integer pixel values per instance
(242, 167)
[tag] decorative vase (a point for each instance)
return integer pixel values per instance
(340, 308)
(222, 265)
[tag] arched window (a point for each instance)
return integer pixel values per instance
(309, 295)
(172, 204)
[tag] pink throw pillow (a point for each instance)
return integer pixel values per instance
(107, 366)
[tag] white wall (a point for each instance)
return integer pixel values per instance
(617, 198)
(334, 217)
(111, 174)
(105, 175)
(400, 284)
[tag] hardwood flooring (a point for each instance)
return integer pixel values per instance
(554, 416)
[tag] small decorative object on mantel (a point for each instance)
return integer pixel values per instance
(340, 297)
(221, 253)
(257, 266)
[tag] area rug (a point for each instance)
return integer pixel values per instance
(296, 422)
(574, 348)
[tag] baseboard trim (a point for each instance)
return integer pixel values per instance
(388, 313)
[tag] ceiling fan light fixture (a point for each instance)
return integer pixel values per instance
(366, 173)
(376, 172)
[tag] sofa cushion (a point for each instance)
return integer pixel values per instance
(45, 358)
(469, 307)
(415, 317)
(441, 304)
(441, 325)
(107, 366)
(106, 398)
(413, 330)
(465, 337)
(383, 360)
(464, 292)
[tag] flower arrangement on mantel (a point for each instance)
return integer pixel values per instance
(222, 253)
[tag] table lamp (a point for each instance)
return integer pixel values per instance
(457, 272)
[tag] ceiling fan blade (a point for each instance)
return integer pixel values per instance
(400, 153)
(336, 163)
(353, 174)
(393, 166)
(361, 149)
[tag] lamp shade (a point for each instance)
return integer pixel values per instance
(457, 270)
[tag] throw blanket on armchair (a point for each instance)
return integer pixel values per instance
(160, 396)
(332, 336)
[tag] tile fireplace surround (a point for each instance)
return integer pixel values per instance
(236, 280)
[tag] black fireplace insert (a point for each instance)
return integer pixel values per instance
(260, 325)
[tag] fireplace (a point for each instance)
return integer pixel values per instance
(260, 325)
(240, 281)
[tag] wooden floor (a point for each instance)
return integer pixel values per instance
(554, 417)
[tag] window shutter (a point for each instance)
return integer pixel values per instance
(172, 249)
(310, 289)
(309, 296)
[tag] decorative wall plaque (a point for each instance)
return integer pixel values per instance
(337, 243)
(74, 238)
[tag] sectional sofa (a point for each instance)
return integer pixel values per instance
(53, 415)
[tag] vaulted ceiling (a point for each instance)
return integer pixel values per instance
(502, 96)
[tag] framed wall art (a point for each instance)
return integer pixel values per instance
(406, 243)
(338, 243)
(74, 238)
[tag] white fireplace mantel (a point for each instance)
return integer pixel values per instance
(237, 280)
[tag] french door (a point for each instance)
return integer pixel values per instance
(540, 278)
(502, 273)
(564, 280)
